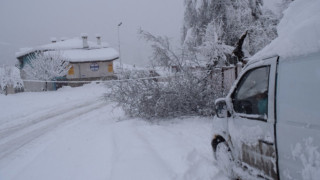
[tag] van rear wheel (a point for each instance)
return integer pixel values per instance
(224, 158)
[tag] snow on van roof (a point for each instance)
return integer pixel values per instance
(75, 43)
(299, 31)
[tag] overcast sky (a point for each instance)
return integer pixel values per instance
(34, 22)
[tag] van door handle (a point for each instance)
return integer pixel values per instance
(266, 142)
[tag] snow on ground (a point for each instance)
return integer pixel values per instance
(73, 133)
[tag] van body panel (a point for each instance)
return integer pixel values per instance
(298, 117)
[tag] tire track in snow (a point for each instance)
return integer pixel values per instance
(39, 118)
(115, 156)
(40, 110)
(27, 134)
(130, 146)
(154, 151)
(195, 162)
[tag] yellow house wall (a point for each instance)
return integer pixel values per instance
(82, 70)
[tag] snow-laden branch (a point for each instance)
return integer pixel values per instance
(163, 54)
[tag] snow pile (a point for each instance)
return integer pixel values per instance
(299, 31)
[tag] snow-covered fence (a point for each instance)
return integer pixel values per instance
(36, 86)
(228, 75)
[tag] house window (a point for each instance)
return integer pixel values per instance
(94, 67)
(110, 67)
(71, 71)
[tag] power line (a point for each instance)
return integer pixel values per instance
(111, 81)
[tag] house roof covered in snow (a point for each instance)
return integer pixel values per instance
(84, 55)
(75, 50)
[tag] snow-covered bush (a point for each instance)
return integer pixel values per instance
(9, 76)
(178, 95)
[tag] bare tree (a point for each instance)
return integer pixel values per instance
(238, 52)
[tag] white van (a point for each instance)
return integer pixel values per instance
(271, 120)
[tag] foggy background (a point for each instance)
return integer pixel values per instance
(34, 22)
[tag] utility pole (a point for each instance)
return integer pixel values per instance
(119, 45)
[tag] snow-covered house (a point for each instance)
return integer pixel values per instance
(88, 60)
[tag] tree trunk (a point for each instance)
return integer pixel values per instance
(238, 50)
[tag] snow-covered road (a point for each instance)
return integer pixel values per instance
(74, 134)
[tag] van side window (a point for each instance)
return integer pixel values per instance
(251, 94)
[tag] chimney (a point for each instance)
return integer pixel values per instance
(85, 40)
(53, 40)
(98, 39)
(63, 38)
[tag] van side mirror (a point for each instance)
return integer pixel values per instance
(221, 108)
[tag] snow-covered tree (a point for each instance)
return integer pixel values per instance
(9, 76)
(180, 95)
(163, 53)
(46, 66)
(186, 92)
(228, 19)
(213, 50)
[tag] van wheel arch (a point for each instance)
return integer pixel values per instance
(215, 141)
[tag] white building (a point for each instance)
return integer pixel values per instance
(88, 60)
